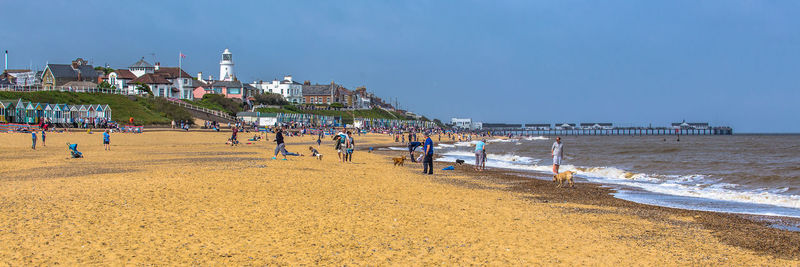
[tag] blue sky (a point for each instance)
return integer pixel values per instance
(727, 62)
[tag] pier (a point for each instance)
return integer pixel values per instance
(603, 129)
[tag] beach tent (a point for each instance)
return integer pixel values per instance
(107, 108)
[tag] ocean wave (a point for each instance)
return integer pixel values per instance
(535, 138)
(696, 185)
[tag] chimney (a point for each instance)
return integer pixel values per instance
(158, 64)
(200, 76)
(210, 77)
(307, 82)
(287, 78)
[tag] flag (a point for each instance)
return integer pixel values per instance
(182, 55)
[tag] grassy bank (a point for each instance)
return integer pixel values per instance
(145, 111)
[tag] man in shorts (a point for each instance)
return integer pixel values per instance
(557, 150)
(106, 140)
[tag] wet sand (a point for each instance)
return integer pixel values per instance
(186, 198)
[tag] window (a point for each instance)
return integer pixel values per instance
(234, 91)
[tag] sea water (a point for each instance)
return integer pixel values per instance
(751, 174)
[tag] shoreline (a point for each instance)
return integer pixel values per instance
(748, 231)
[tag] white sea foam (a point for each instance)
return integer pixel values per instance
(699, 186)
(534, 138)
(398, 148)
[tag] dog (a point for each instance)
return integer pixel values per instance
(399, 161)
(460, 161)
(564, 176)
(315, 153)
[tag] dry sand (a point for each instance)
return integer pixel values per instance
(185, 198)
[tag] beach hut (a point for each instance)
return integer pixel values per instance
(107, 108)
(90, 113)
(6, 111)
(38, 112)
(56, 113)
(19, 111)
(48, 112)
(99, 111)
(30, 113)
(74, 113)
(83, 111)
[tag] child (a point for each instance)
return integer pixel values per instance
(315, 153)
(43, 136)
(106, 140)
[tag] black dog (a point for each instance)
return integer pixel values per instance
(460, 161)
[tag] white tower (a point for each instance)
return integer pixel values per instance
(226, 66)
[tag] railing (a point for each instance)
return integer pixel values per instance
(65, 89)
(217, 113)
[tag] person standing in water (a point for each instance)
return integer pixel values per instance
(480, 155)
(557, 150)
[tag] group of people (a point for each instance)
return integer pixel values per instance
(43, 135)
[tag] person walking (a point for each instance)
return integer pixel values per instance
(43, 136)
(351, 146)
(427, 162)
(557, 150)
(33, 136)
(234, 141)
(106, 140)
(280, 147)
(479, 154)
(173, 124)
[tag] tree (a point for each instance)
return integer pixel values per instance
(143, 88)
(270, 99)
(106, 71)
(337, 105)
(106, 85)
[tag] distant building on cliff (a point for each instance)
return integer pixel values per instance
(56, 75)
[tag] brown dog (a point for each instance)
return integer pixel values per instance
(399, 161)
(564, 176)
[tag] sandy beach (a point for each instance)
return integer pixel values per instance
(181, 198)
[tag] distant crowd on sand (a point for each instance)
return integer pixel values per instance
(343, 140)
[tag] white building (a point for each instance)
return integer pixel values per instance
(463, 123)
(170, 82)
(291, 90)
(226, 66)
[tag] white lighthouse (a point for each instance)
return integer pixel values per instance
(226, 66)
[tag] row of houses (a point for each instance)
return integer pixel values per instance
(20, 111)
(174, 82)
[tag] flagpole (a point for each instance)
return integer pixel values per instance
(180, 71)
